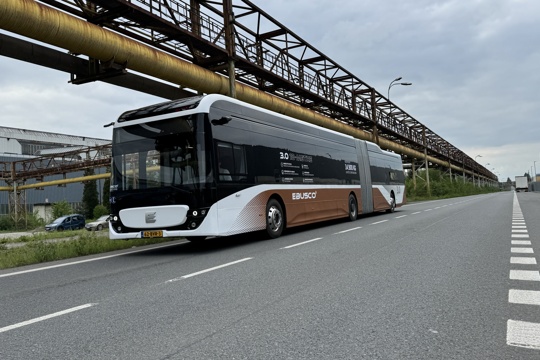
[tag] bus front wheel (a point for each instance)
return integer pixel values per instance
(275, 221)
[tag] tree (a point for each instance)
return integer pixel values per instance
(90, 195)
(61, 208)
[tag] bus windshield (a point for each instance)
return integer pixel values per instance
(158, 154)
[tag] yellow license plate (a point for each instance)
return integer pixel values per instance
(152, 234)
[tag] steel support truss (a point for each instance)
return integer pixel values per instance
(268, 56)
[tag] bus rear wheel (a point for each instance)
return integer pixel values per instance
(275, 221)
(353, 208)
(392, 203)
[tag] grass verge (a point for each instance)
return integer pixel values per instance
(43, 247)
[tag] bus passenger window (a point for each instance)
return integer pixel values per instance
(231, 162)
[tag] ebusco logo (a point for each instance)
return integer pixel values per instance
(304, 196)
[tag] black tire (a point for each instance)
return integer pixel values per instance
(353, 208)
(99, 227)
(392, 203)
(60, 229)
(195, 238)
(275, 219)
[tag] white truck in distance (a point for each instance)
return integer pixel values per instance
(521, 183)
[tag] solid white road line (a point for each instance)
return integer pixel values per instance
(45, 317)
(523, 334)
(527, 275)
(526, 297)
(88, 260)
(302, 243)
(523, 260)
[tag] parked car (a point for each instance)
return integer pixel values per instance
(99, 224)
(67, 222)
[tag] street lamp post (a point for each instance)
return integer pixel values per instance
(534, 171)
(393, 83)
(474, 184)
(479, 176)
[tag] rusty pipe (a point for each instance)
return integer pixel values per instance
(46, 24)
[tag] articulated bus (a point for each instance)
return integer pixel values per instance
(211, 165)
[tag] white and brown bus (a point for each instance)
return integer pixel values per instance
(215, 166)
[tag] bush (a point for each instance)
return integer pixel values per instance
(31, 221)
(100, 210)
(6, 223)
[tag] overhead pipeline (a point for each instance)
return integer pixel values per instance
(43, 23)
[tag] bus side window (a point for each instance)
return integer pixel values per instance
(240, 168)
(231, 162)
(225, 161)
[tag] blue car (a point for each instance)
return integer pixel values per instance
(67, 222)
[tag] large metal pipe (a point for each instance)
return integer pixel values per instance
(38, 185)
(43, 23)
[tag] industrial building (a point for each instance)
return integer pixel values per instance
(21, 144)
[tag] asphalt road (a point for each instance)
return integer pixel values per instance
(448, 279)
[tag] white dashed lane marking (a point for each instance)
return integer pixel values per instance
(345, 231)
(522, 250)
(302, 243)
(45, 317)
(527, 297)
(522, 333)
(523, 260)
(527, 275)
(521, 242)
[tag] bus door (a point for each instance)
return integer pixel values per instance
(365, 176)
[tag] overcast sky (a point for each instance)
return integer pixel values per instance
(473, 64)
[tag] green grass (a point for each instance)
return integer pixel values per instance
(44, 247)
(442, 188)
(43, 235)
